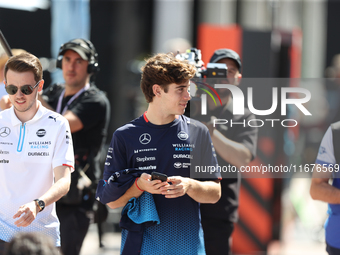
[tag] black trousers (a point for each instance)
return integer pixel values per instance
(2, 247)
(217, 236)
(74, 225)
(332, 250)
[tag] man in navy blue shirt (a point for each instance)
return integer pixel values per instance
(166, 141)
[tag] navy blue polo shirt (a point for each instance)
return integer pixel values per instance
(171, 149)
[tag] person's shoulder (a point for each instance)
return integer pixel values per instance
(131, 126)
(193, 123)
(248, 113)
(53, 116)
(54, 88)
(5, 111)
(96, 95)
(229, 110)
(189, 121)
(52, 92)
(335, 125)
(95, 91)
(128, 131)
(4, 114)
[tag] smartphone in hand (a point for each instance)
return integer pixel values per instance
(159, 176)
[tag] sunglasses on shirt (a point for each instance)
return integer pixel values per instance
(25, 89)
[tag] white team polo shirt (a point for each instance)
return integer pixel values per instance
(28, 154)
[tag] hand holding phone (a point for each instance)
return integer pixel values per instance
(159, 176)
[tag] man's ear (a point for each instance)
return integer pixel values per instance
(41, 85)
(239, 77)
(156, 89)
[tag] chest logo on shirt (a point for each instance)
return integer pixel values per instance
(53, 118)
(144, 159)
(39, 144)
(181, 165)
(38, 154)
(182, 135)
(322, 150)
(145, 138)
(177, 164)
(41, 133)
(4, 131)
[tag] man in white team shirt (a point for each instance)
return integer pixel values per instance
(326, 169)
(36, 155)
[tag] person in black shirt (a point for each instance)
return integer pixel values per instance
(235, 146)
(88, 111)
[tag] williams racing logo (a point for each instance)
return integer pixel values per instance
(39, 144)
(183, 147)
(182, 136)
(41, 133)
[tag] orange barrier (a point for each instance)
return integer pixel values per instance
(213, 37)
(253, 231)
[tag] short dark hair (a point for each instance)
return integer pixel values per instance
(164, 69)
(31, 243)
(24, 62)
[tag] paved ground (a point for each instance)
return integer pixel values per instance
(299, 246)
(111, 242)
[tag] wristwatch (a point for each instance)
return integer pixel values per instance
(40, 204)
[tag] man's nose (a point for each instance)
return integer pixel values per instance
(187, 95)
(19, 93)
(69, 66)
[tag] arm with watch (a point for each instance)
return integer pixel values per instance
(28, 212)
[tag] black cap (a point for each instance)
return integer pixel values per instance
(226, 53)
(79, 46)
